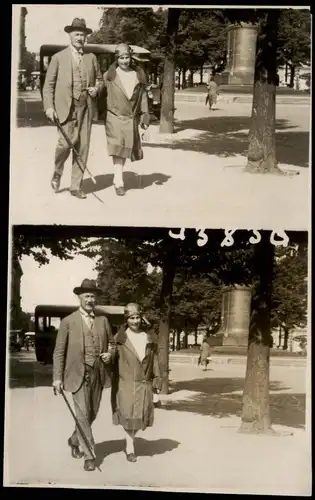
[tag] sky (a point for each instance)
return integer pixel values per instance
(45, 23)
(53, 283)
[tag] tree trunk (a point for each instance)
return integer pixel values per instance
(256, 411)
(173, 341)
(191, 78)
(262, 142)
(169, 268)
(167, 105)
(292, 76)
(280, 336)
(201, 74)
(178, 339)
(286, 338)
(196, 335)
(185, 338)
(178, 80)
(183, 78)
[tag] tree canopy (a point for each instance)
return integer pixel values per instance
(289, 297)
(40, 243)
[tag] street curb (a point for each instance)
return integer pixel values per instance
(239, 98)
(235, 360)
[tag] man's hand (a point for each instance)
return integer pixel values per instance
(57, 387)
(106, 357)
(51, 114)
(92, 91)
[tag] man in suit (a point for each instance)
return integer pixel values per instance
(72, 83)
(80, 365)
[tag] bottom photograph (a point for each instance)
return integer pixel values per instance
(158, 359)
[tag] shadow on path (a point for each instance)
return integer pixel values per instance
(132, 181)
(143, 448)
(217, 397)
(25, 372)
(228, 136)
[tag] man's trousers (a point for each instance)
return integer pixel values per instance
(86, 405)
(78, 128)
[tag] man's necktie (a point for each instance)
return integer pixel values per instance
(90, 321)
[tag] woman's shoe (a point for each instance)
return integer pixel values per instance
(131, 457)
(120, 191)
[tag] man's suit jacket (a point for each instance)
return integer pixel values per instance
(68, 358)
(57, 90)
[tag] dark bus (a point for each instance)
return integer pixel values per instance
(47, 322)
(105, 54)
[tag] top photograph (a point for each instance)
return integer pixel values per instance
(161, 116)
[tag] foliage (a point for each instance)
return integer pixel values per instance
(28, 62)
(196, 301)
(38, 244)
(202, 34)
(202, 38)
(294, 37)
(289, 298)
(129, 269)
(136, 26)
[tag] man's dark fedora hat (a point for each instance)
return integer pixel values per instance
(78, 24)
(87, 286)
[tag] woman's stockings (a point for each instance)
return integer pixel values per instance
(130, 440)
(118, 171)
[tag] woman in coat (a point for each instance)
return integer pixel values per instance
(126, 109)
(135, 374)
(212, 91)
(205, 353)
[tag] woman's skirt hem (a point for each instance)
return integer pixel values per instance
(130, 424)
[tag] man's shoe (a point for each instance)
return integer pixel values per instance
(78, 193)
(75, 451)
(55, 182)
(89, 464)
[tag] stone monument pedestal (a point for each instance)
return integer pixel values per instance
(241, 55)
(236, 308)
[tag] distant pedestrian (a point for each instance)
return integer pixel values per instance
(27, 343)
(212, 96)
(205, 354)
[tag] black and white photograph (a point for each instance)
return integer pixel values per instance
(158, 331)
(143, 360)
(175, 120)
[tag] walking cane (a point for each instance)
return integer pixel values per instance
(76, 154)
(78, 158)
(85, 439)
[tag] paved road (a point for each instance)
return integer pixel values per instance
(194, 443)
(194, 178)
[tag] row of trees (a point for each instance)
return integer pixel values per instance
(185, 37)
(201, 36)
(176, 266)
